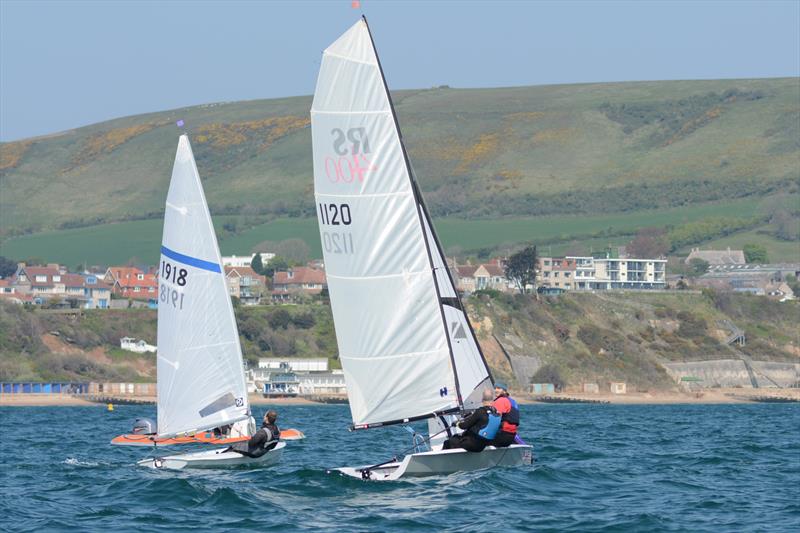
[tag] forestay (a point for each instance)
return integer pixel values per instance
(200, 373)
(383, 266)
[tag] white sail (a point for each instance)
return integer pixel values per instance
(471, 369)
(200, 374)
(390, 322)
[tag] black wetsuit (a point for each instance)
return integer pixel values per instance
(470, 440)
(263, 441)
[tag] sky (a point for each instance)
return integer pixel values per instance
(66, 64)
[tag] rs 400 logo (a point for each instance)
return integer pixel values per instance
(352, 160)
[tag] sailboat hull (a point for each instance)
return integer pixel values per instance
(218, 458)
(442, 462)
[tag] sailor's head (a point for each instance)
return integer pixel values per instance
(500, 389)
(488, 397)
(271, 416)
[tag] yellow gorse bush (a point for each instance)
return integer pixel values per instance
(267, 130)
(11, 153)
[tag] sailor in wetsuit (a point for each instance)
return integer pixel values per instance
(479, 428)
(264, 439)
(509, 411)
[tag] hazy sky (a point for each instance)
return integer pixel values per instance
(66, 64)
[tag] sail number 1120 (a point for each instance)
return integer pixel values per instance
(335, 214)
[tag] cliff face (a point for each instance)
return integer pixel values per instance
(648, 340)
(636, 338)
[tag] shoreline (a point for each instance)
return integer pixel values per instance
(709, 396)
(66, 400)
(706, 396)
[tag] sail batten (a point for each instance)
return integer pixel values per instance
(200, 369)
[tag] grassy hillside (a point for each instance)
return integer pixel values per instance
(520, 153)
(39, 345)
(594, 337)
(139, 241)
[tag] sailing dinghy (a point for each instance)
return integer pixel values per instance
(201, 381)
(407, 348)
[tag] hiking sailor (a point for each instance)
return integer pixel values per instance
(263, 441)
(479, 428)
(509, 410)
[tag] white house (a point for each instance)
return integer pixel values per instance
(245, 260)
(132, 345)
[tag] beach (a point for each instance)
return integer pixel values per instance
(707, 396)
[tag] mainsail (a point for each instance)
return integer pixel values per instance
(406, 346)
(200, 374)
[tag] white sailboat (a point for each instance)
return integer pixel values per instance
(201, 381)
(407, 348)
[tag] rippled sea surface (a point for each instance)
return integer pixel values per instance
(597, 468)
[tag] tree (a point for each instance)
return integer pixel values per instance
(549, 373)
(257, 265)
(787, 227)
(7, 267)
(792, 282)
(698, 267)
(280, 319)
(295, 250)
(649, 243)
(275, 264)
(521, 268)
(755, 253)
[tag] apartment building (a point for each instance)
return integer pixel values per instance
(605, 273)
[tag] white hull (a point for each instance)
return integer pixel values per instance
(440, 462)
(218, 458)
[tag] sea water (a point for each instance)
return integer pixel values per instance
(596, 468)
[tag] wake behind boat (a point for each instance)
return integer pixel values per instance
(406, 346)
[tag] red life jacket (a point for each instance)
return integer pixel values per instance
(510, 413)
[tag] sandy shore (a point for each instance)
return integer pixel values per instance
(27, 400)
(709, 396)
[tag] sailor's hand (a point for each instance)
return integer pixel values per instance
(454, 423)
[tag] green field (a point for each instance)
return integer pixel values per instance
(778, 251)
(478, 153)
(139, 241)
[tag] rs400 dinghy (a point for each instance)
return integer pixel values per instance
(440, 462)
(407, 349)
